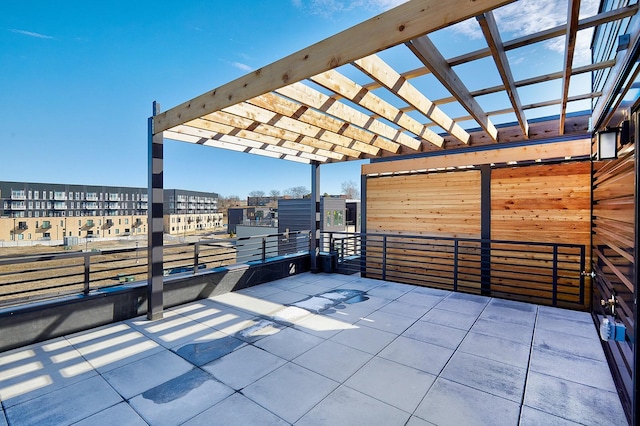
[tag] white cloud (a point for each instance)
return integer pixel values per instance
(241, 66)
(31, 34)
(328, 8)
(530, 16)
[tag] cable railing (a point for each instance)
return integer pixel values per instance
(52, 274)
(546, 273)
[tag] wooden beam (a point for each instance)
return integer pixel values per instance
(380, 71)
(306, 95)
(492, 35)
(263, 116)
(304, 114)
(592, 21)
(398, 25)
(548, 34)
(569, 48)
(340, 84)
(576, 148)
(241, 123)
(208, 129)
(526, 82)
(426, 51)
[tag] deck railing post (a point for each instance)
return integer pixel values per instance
(582, 277)
(384, 257)
(264, 249)
(196, 256)
(87, 268)
(455, 264)
(554, 295)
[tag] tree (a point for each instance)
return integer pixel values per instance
(296, 191)
(351, 189)
(256, 194)
(274, 193)
(229, 201)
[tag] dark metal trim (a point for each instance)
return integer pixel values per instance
(485, 228)
(155, 220)
(314, 246)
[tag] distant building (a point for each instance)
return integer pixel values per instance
(31, 211)
(188, 211)
(337, 214)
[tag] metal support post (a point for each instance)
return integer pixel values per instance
(485, 229)
(155, 222)
(315, 216)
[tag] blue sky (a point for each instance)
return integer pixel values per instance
(78, 79)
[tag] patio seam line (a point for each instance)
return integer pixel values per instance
(340, 384)
(526, 377)
(413, 414)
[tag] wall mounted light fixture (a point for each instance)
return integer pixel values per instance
(608, 144)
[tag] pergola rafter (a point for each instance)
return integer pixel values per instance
(427, 52)
(492, 35)
(279, 109)
(570, 45)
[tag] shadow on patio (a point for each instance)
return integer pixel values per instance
(304, 350)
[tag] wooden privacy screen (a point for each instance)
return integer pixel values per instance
(528, 204)
(439, 204)
(614, 223)
(541, 203)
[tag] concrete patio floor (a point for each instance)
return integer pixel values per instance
(321, 349)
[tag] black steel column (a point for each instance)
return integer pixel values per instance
(485, 229)
(363, 225)
(155, 222)
(315, 215)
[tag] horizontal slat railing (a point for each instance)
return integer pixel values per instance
(46, 275)
(546, 273)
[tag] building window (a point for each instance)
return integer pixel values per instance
(36, 195)
(117, 231)
(337, 218)
(126, 221)
(17, 194)
(30, 195)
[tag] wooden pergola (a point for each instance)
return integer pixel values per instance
(306, 107)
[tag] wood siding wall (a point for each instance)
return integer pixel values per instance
(538, 203)
(542, 203)
(614, 239)
(546, 203)
(438, 204)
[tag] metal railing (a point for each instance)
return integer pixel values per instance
(546, 273)
(52, 274)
